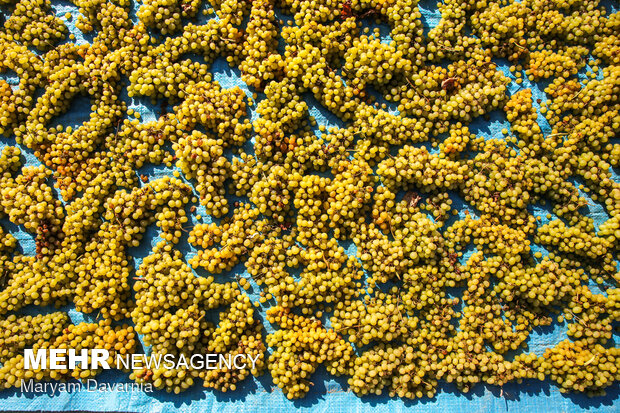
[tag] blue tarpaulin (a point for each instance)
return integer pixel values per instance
(328, 394)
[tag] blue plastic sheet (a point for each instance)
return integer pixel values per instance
(328, 394)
